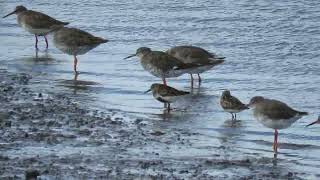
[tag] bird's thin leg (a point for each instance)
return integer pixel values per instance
(275, 142)
(232, 116)
(169, 107)
(199, 79)
(37, 53)
(191, 80)
(75, 78)
(164, 81)
(47, 45)
(235, 116)
(36, 45)
(75, 62)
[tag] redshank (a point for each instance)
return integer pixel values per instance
(193, 54)
(166, 94)
(161, 64)
(315, 122)
(36, 23)
(274, 114)
(75, 42)
(231, 104)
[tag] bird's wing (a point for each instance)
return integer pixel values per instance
(277, 110)
(232, 103)
(164, 61)
(77, 37)
(192, 54)
(169, 91)
(237, 103)
(39, 20)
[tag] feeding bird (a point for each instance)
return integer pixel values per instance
(75, 42)
(166, 94)
(231, 104)
(161, 64)
(36, 23)
(197, 55)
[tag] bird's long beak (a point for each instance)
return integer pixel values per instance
(147, 91)
(130, 56)
(315, 122)
(9, 14)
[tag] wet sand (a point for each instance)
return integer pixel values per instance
(56, 137)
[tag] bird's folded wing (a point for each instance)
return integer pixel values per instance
(39, 20)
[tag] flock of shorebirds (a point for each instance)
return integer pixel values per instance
(172, 63)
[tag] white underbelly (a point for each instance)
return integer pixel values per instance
(201, 69)
(277, 124)
(232, 110)
(169, 99)
(74, 50)
(161, 74)
(39, 32)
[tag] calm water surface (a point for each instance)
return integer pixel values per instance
(271, 49)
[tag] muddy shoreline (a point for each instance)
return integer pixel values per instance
(55, 137)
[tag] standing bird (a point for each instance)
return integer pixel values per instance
(274, 114)
(166, 94)
(75, 42)
(161, 64)
(231, 104)
(36, 23)
(315, 122)
(192, 54)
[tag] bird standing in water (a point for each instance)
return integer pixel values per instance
(274, 114)
(161, 64)
(166, 94)
(231, 104)
(196, 55)
(36, 23)
(75, 42)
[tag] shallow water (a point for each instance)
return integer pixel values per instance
(271, 49)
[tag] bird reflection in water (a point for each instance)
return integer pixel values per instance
(77, 85)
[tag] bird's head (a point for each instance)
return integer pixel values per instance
(140, 52)
(154, 87)
(17, 10)
(255, 100)
(226, 93)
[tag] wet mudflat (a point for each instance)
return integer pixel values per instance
(103, 126)
(60, 138)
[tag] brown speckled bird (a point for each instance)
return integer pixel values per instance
(166, 94)
(75, 42)
(231, 104)
(274, 114)
(197, 55)
(36, 23)
(161, 64)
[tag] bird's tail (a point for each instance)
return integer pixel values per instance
(302, 113)
(104, 40)
(56, 27)
(65, 23)
(216, 61)
(215, 58)
(196, 65)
